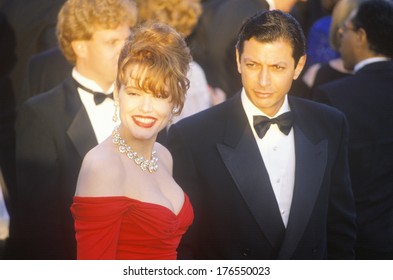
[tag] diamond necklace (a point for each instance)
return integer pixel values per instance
(144, 164)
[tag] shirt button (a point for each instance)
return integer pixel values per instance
(282, 212)
(275, 148)
(278, 180)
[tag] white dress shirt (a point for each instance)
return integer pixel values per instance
(100, 115)
(278, 154)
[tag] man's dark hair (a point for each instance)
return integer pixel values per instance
(270, 26)
(376, 18)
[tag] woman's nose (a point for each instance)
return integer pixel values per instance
(146, 103)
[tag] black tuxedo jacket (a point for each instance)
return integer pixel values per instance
(217, 162)
(34, 26)
(53, 135)
(366, 99)
(45, 70)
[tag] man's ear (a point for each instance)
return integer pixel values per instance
(79, 48)
(299, 67)
(238, 61)
(361, 39)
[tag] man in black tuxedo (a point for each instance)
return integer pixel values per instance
(366, 98)
(57, 128)
(259, 190)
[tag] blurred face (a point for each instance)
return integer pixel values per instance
(285, 5)
(142, 113)
(348, 44)
(101, 54)
(267, 71)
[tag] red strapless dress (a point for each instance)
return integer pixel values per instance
(123, 228)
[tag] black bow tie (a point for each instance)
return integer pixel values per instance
(284, 122)
(99, 97)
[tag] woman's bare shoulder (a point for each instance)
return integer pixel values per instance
(100, 172)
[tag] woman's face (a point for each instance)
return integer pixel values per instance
(143, 113)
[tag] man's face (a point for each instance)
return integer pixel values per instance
(102, 53)
(267, 71)
(348, 44)
(285, 5)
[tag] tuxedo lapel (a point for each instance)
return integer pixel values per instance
(80, 130)
(311, 160)
(241, 156)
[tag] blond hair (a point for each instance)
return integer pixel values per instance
(79, 19)
(182, 15)
(157, 58)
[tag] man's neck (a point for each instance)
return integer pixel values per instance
(91, 83)
(85, 73)
(369, 60)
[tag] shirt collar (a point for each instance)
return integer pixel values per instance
(251, 110)
(90, 84)
(367, 61)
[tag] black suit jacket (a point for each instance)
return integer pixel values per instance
(366, 99)
(217, 162)
(7, 103)
(34, 26)
(45, 71)
(53, 135)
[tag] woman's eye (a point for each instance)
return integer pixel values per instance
(132, 93)
(160, 96)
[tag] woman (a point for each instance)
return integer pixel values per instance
(127, 205)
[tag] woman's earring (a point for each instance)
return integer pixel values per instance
(115, 117)
(175, 110)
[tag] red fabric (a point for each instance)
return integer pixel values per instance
(123, 228)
